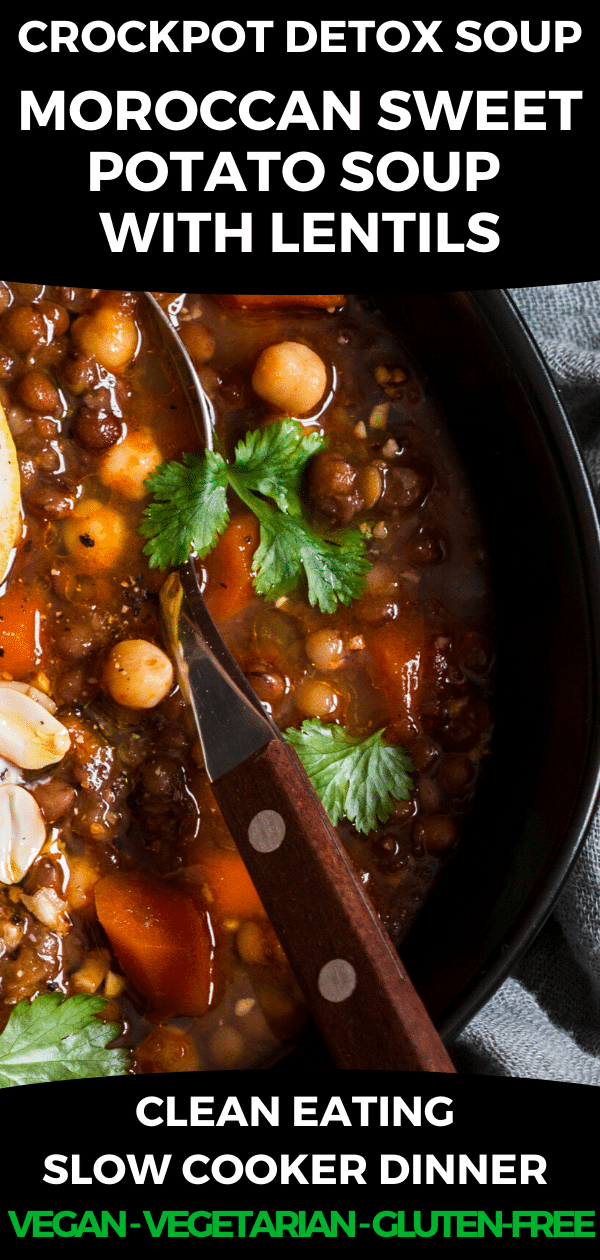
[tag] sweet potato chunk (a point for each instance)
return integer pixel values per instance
(161, 941)
(229, 568)
(231, 891)
(20, 630)
(398, 655)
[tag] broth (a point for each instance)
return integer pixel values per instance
(129, 810)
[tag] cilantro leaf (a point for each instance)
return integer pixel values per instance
(356, 778)
(54, 1038)
(272, 461)
(288, 547)
(189, 510)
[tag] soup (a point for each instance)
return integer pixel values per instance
(127, 827)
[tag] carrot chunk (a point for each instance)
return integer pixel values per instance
(398, 655)
(20, 630)
(283, 299)
(232, 893)
(161, 941)
(229, 568)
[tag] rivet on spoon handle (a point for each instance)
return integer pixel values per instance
(358, 992)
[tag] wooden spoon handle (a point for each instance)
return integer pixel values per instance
(356, 987)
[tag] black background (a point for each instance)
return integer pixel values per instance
(491, 1116)
(545, 194)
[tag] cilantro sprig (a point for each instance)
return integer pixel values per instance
(54, 1038)
(359, 779)
(190, 512)
(272, 461)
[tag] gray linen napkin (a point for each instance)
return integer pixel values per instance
(544, 1022)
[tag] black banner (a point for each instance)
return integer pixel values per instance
(371, 1156)
(451, 153)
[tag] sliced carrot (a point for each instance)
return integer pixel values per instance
(283, 299)
(231, 891)
(229, 568)
(20, 631)
(162, 942)
(398, 654)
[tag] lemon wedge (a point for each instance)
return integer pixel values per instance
(10, 494)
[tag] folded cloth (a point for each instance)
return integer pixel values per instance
(544, 1022)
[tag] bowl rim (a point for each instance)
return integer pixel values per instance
(505, 322)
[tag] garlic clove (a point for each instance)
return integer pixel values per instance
(10, 494)
(27, 689)
(22, 832)
(30, 736)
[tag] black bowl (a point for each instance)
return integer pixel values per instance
(539, 788)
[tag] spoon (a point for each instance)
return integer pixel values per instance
(355, 985)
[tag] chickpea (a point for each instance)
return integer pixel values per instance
(95, 534)
(251, 943)
(291, 377)
(227, 1046)
(108, 335)
(325, 649)
(317, 699)
(137, 674)
(283, 1012)
(126, 465)
(257, 944)
(166, 1049)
